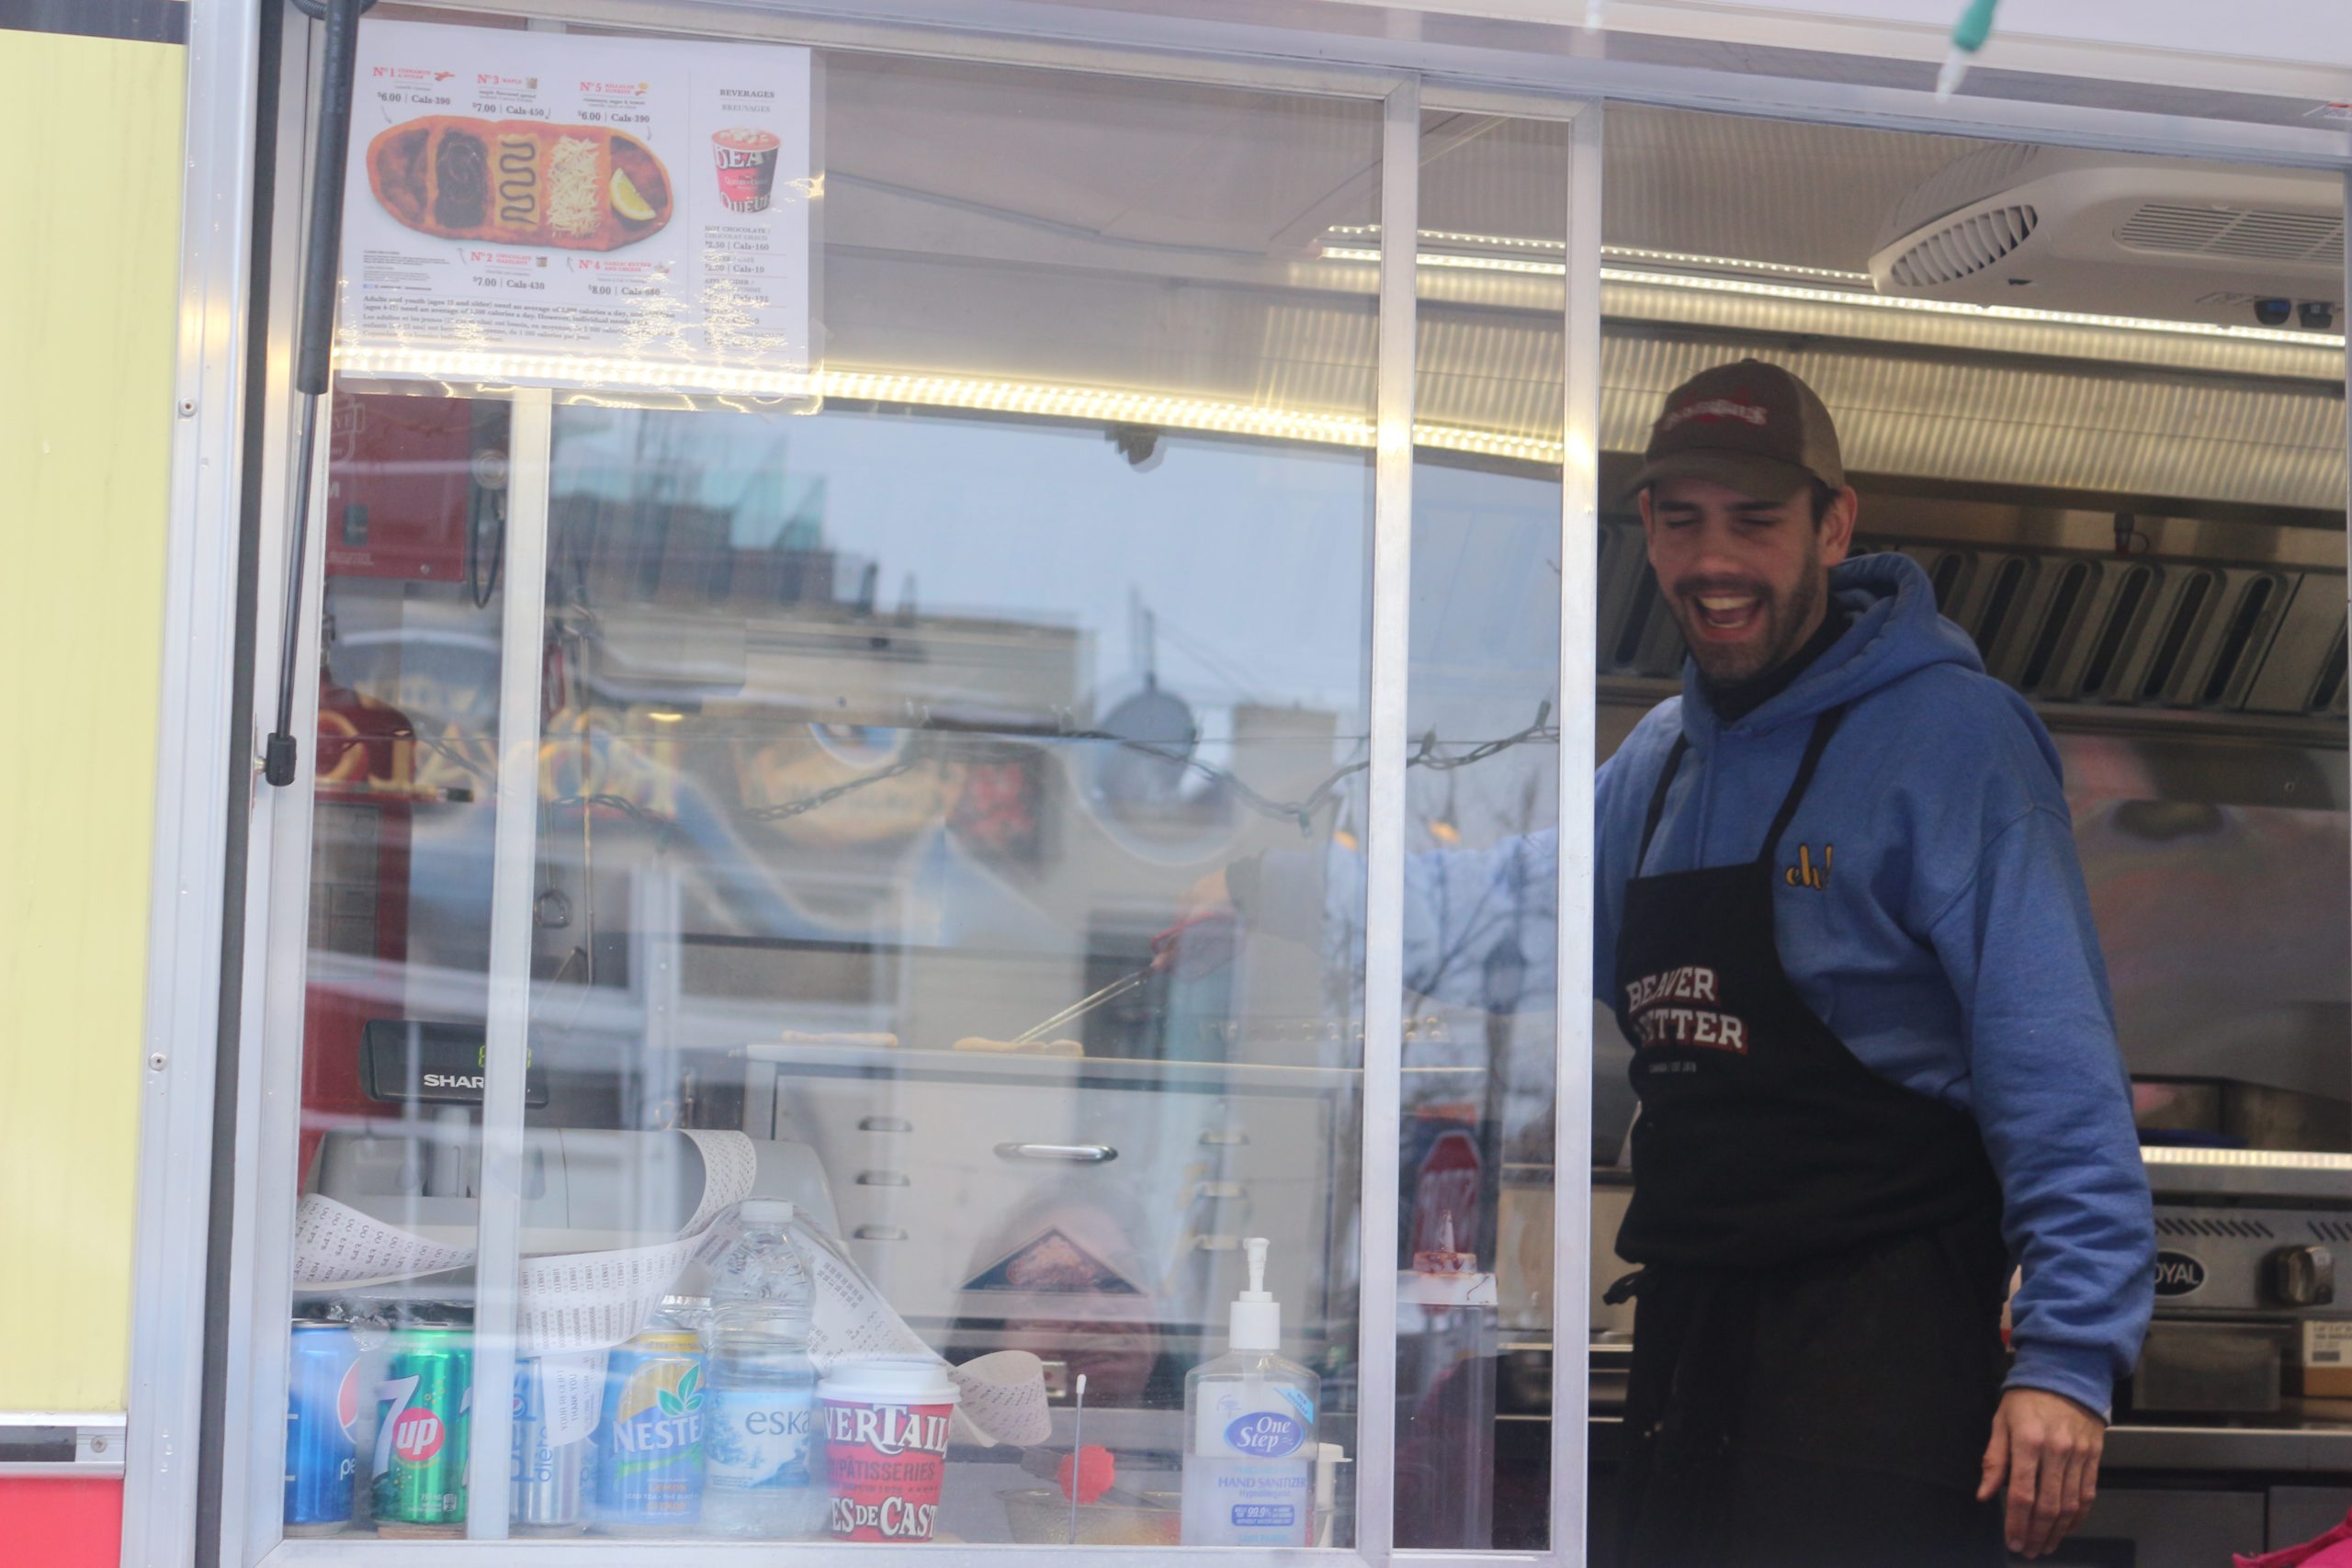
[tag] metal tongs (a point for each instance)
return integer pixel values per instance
(1188, 948)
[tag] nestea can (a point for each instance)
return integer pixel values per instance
(417, 1476)
(321, 1421)
(648, 1442)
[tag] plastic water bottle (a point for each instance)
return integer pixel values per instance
(760, 1449)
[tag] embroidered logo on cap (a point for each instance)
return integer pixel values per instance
(1715, 410)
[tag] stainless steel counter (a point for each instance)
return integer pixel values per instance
(2297, 1446)
(2311, 1437)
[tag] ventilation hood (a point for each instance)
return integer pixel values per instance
(2062, 229)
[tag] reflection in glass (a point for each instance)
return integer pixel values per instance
(891, 751)
(402, 813)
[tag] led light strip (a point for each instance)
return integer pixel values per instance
(1173, 413)
(1615, 253)
(568, 370)
(1733, 263)
(1089, 403)
(1452, 237)
(1953, 308)
(1977, 312)
(2272, 1159)
(1443, 259)
(1095, 404)
(1192, 413)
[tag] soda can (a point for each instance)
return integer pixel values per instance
(648, 1438)
(417, 1476)
(322, 1422)
(550, 1478)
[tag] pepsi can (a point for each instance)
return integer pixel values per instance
(550, 1480)
(321, 1426)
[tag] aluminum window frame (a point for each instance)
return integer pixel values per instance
(194, 772)
(172, 1367)
(2347, 423)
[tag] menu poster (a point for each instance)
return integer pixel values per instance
(544, 209)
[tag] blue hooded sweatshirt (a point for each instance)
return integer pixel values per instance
(1929, 909)
(1928, 905)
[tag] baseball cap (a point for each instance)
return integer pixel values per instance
(1751, 426)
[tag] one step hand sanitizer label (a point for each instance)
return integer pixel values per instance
(1251, 1478)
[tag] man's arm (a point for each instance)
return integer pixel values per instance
(2053, 1104)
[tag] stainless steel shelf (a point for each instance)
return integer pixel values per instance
(2323, 1447)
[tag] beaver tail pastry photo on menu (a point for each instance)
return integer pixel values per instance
(579, 187)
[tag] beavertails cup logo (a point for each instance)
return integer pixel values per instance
(887, 1429)
(1683, 1007)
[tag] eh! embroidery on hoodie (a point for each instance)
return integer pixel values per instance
(1805, 873)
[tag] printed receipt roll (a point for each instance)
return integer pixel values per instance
(1003, 1393)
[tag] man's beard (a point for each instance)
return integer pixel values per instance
(1736, 668)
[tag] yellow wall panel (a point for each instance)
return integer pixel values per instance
(90, 191)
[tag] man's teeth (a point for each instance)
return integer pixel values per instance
(1727, 609)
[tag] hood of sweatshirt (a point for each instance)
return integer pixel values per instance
(1895, 631)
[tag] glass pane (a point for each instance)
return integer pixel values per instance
(1474, 1247)
(899, 1043)
(403, 810)
(2122, 489)
(891, 746)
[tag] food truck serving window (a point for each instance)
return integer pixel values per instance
(946, 835)
(846, 809)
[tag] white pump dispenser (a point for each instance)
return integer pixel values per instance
(1257, 1320)
(1249, 1447)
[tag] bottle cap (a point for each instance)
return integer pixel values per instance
(1257, 1316)
(766, 1211)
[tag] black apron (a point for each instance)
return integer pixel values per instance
(1817, 1355)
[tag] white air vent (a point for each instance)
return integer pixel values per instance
(2065, 229)
(2162, 227)
(1965, 181)
(1960, 249)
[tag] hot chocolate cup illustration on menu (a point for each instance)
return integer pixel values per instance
(886, 1446)
(746, 161)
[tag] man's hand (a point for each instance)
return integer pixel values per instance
(2046, 1447)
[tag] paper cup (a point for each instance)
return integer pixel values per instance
(885, 1446)
(746, 161)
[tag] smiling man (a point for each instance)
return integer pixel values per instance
(1840, 917)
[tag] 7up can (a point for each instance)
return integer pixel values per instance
(647, 1457)
(417, 1476)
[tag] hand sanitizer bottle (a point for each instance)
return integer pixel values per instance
(1250, 1432)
